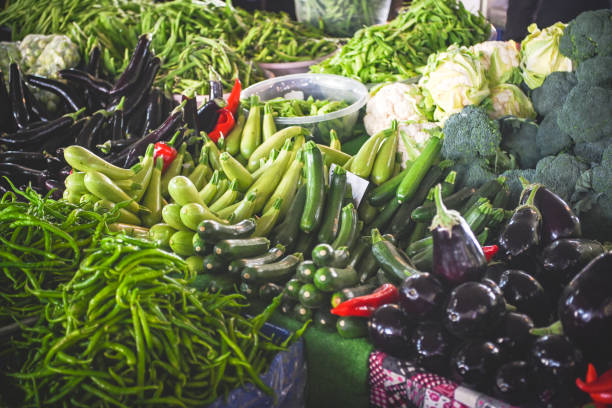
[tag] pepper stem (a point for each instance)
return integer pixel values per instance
(75, 115)
(555, 328)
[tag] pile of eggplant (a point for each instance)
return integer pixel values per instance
(523, 326)
(94, 113)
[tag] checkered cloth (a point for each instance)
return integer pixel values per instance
(396, 383)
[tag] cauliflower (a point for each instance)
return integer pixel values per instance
(397, 101)
(500, 60)
(414, 137)
(508, 99)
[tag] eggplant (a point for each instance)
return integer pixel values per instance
(390, 330)
(93, 65)
(36, 110)
(143, 87)
(7, 121)
(208, 114)
(35, 160)
(558, 219)
(457, 255)
(87, 81)
(564, 258)
(71, 98)
(190, 114)
(40, 134)
(138, 62)
(22, 175)
(421, 296)
(474, 363)
(555, 363)
(513, 337)
(513, 382)
(585, 308)
(57, 187)
(495, 270)
(19, 111)
(520, 238)
(524, 292)
(216, 89)
(474, 309)
(431, 347)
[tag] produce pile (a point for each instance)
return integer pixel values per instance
(394, 51)
(191, 38)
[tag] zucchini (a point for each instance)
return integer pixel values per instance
(171, 214)
(426, 212)
(390, 258)
(323, 319)
(330, 279)
(488, 190)
(412, 180)
(214, 231)
(193, 214)
(315, 189)
(287, 305)
(359, 251)
(160, 234)
(272, 272)
(221, 283)
(305, 271)
(322, 255)
(341, 257)
(195, 264)
(269, 291)
(348, 227)
(213, 263)
(200, 247)
(302, 313)
(273, 254)
(292, 288)
(305, 243)
(249, 290)
(349, 293)
(181, 243)
(312, 297)
(286, 232)
(331, 217)
(351, 327)
(231, 249)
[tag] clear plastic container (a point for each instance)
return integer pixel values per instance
(341, 18)
(319, 86)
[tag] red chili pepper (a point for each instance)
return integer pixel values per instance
(602, 397)
(490, 251)
(225, 123)
(233, 100)
(591, 375)
(166, 151)
(365, 305)
(602, 384)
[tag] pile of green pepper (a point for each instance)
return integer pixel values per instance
(286, 108)
(395, 51)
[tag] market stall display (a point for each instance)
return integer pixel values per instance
(456, 237)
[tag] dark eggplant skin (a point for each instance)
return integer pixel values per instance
(208, 114)
(421, 296)
(525, 293)
(474, 363)
(474, 310)
(558, 219)
(519, 240)
(390, 331)
(138, 61)
(19, 110)
(512, 382)
(513, 338)
(585, 307)
(495, 269)
(564, 258)
(432, 346)
(7, 122)
(555, 363)
(70, 97)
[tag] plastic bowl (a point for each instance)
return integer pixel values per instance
(288, 68)
(319, 86)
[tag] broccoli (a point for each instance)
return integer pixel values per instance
(472, 174)
(587, 113)
(514, 182)
(552, 93)
(596, 71)
(591, 152)
(602, 173)
(519, 139)
(559, 173)
(596, 218)
(588, 35)
(550, 138)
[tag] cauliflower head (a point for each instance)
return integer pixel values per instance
(500, 60)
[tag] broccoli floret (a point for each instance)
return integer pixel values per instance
(552, 93)
(596, 221)
(470, 134)
(588, 35)
(519, 139)
(596, 71)
(550, 138)
(472, 174)
(560, 173)
(514, 182)
(587, 113)
(591, 152)
(602, 174)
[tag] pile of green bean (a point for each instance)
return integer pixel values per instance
(341, 18)
(396, 50)
(41, 241)
(286, 108)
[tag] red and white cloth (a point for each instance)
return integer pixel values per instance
(396, 383)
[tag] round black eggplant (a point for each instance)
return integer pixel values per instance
(558, 219)
(519, 240)
(512, 382)
(555, 363)
(432, 346)
(474, 309)
(513, 338)
(495, 269)
(475, 363)
(525, 293)
(390, 330)
(564, 258)
(585, 307)
(421, 296)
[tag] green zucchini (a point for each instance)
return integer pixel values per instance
(348, 227)
(330, 279)
(171, 214)
(160, 234)
(273, 254)
(249, 290)
(214, 231)
(306, 243)
(305, 271)
(273, 272)
(213, 263)
(333, 208)
(181, 243)
(269, 291)
(315, 191)
(324, 320)
(195, 264)
(221, 283)
(350, 327)
(322, 254)
(302, 313)
(286, 232)
(200, 247)
(349, 293)
(287, 305)
(390, 258)
(231, 249)
(341, 257)
(426, 212)
(312, 297)
(292, 288)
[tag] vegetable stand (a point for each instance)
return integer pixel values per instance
(440, 240)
